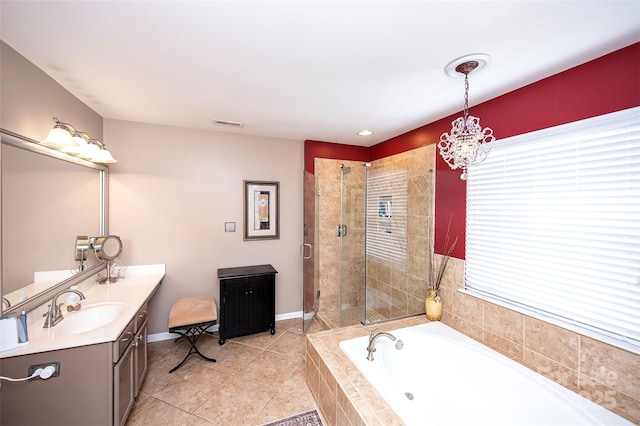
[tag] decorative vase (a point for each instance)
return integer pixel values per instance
(433, 306)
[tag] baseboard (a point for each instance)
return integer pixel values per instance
(157, 337)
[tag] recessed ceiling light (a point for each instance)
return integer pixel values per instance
(365, 132)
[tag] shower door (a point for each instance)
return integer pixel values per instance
(351, 232)
(308, 253)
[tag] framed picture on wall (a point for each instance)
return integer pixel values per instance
(261, 210)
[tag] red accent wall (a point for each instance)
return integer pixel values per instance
(336, 151)
(607, 84)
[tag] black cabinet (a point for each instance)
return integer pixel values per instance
(247, 300)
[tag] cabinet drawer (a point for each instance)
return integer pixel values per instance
(141, 317)
(125, 338)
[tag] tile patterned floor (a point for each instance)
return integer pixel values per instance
(257, 379)
(349, 316)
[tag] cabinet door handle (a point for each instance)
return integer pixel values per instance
(126, 339)
(304, 255)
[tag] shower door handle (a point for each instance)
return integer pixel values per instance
(341, 230)
(302, 251)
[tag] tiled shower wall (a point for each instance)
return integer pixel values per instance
(393, 290)
(600, 372)
(352, 254)
(396, 289)
(328, 200)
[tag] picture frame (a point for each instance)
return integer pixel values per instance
(261, 210)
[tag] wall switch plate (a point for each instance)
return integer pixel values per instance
(229, 227)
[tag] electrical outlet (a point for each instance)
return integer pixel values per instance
(33, 368)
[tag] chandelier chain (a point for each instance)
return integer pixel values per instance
(466, 97)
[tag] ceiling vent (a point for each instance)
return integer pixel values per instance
(228, 123)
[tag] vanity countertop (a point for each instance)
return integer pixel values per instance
(139, 284)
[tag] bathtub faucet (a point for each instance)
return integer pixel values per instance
(372, 340)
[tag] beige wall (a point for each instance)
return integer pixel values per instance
(173, 189)
(169, 206)
(30, 99)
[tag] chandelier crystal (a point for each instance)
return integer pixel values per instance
(467, 143)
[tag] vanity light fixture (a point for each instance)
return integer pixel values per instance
(467, 143)
(58, 137)
(65, 138)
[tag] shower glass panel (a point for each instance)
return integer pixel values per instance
(386, 248)
(308, 253)
(351, 232)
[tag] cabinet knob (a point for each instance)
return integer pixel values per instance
(126, 339)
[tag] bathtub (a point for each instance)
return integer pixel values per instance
(442, 377)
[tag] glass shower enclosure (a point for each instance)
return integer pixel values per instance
(370, 240)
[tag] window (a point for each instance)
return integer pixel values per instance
(553, 226)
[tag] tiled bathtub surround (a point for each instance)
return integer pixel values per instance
(343, 395)
(602, 373)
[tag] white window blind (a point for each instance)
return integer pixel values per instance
(553, 225)
(387, 215)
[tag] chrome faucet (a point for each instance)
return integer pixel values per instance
(54, 314)
(372, 340)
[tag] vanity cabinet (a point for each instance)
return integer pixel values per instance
(100, 370)
(97, 385)
(130, 368)
(140, 349)
(81, 395)
(247, 300)
(123, 385)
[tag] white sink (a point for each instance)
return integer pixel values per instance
(91, 317)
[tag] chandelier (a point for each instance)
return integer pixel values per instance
(467, 143)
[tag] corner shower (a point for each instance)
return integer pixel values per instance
(371, 227)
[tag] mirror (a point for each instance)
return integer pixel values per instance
(108, 248)
(48, 198)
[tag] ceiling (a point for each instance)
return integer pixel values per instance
(320, 70)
